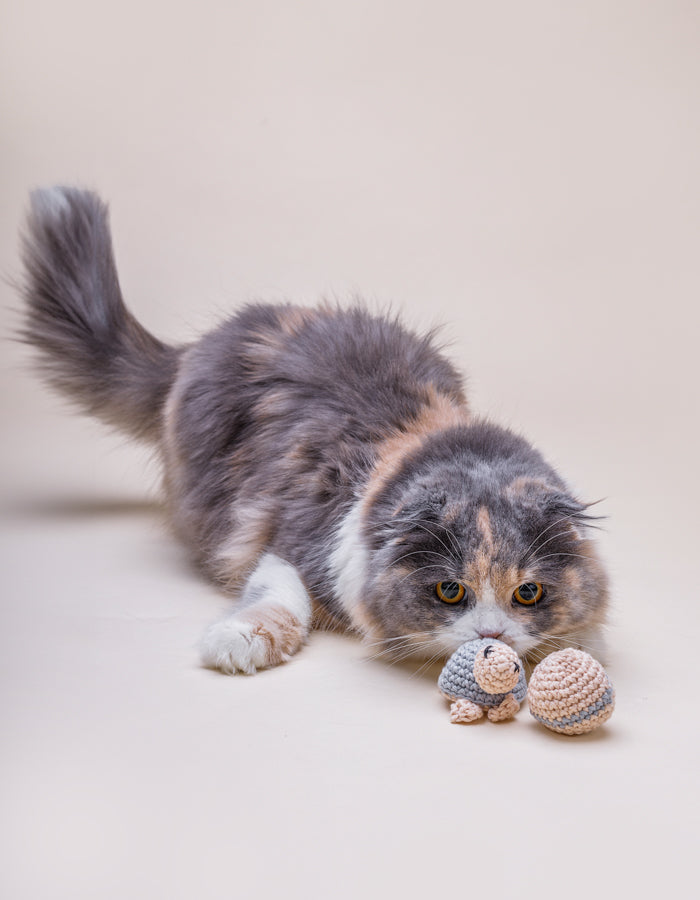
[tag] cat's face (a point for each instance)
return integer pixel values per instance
(482, 555)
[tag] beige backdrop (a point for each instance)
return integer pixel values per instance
(526, 173)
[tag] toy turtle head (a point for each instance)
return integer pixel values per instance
(496, 668)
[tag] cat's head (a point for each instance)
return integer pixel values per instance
(476, 536)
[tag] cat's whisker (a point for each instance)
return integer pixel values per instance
(415, 572)
(544, 531)
(550, 643)
(554, 537)
(404, 646)
(429, 662)
(450, 534)
(419, 523)
(573, 638)
(393, 649)
(400, 654)
(400, 637)
(552, 555)
(588, 522)
(449, 562)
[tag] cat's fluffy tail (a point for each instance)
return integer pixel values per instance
(90, 346)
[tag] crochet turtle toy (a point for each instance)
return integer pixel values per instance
(569, 691)
(483, 676)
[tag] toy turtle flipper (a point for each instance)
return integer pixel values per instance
(505, 710)
(463, 711)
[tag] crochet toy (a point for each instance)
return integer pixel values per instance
(483, 676)
(570, 692)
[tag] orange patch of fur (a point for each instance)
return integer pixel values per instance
(572, 581)
(293, 318)
(484, 569)
(439, 413)
(281, 631)
(271, 404)
(481, 568)
(365, 623)
(250, 534)
(599, 583)
(269, 340)
(483, 523)
(505, 581)
(524, 485)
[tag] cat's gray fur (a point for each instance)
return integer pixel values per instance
(316, 459)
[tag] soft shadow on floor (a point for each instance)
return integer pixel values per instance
(82, 508)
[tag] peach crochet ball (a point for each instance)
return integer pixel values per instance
(570, 692)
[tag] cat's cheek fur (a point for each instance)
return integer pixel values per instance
(272, 623)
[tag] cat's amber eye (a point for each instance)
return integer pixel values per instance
(528, 594)
(449, 591)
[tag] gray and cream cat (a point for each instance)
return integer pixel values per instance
(321, 464)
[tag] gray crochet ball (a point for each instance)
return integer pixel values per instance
(457, 677)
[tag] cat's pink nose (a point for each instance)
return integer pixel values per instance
(491, 634)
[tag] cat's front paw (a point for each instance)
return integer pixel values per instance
(248, 643)
(231, 647)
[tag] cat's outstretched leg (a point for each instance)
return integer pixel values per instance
(271, 624)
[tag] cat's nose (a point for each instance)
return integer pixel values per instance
(491, 634)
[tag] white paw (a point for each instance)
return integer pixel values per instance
(234, 646)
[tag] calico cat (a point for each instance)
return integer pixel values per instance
(321, 464)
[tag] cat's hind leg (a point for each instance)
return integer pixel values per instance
(271, 623)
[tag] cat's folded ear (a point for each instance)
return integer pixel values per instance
(424, 501)
(562, 504)
(422, 507)
(553, 502)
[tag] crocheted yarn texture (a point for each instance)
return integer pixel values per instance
(457, 679)
(570, 692)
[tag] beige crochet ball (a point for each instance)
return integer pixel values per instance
(570, 692)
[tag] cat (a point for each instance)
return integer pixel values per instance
(321, 464)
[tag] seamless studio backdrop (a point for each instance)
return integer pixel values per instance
(526, 174)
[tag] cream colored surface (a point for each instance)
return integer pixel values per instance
(527, 173)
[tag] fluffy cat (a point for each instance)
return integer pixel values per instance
(321, 464)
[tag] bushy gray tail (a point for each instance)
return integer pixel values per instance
(91, 348)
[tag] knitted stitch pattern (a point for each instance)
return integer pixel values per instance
(570, 692)
(497, 669)
(457, 678)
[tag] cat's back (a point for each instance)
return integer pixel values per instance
(274, 379)
(346, 359)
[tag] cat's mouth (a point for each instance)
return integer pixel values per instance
(452, 641)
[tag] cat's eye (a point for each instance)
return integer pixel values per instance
(449, 591)
(528, 594)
